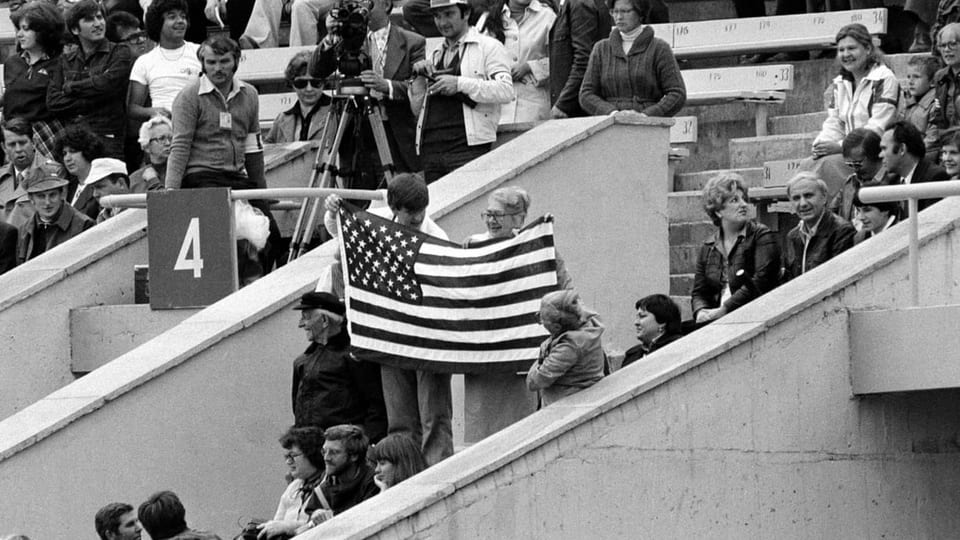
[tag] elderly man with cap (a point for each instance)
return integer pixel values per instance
(108, 176)
(469, 79)
(54, 221)
(330, 385)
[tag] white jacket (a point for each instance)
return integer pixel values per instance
(485, 78)
(873, 105)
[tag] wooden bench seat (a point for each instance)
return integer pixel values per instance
(729, 37)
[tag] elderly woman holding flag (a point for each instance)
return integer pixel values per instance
(572, 358)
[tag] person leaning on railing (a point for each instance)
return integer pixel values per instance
(632, 70)
(740, 261)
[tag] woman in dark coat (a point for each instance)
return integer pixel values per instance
(657, 323)
(632, 70)
(740, 261)
(28, 70)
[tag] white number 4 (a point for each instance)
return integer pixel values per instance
(191, 239)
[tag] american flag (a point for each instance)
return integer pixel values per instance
(419, 302)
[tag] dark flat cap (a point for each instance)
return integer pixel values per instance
(322, 300)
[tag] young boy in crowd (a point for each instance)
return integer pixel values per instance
(950, 154)
(919, 103)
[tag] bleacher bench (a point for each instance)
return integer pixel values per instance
(728, 37)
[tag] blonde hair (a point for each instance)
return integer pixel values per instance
(156, 120)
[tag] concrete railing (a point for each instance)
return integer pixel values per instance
(747, 428)
(96, 268)
(199, 408)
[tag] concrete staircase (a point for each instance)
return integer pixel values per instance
(725, 144)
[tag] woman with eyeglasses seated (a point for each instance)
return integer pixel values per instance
(505, 214)
(397, 457)
(155, 137)
(28, 70)
(303, 452)
(740, 261)
(864, 94)
(945, 80)
(632, 70)
(303, 121)
(158, 76)
(572, 357)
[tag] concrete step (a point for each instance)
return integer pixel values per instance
(683, 259)
(694, 181)
(797, 123)
(684, 207)
(692, 234)
(754, 151)
(681, 285)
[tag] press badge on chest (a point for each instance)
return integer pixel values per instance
(226, 121)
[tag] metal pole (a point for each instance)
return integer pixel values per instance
(139, 200)
(914, 254)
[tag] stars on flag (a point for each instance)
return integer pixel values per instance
(380, 256)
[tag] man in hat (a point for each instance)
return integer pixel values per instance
(469, 79)
(108, 176)
(54, 221)
(330, 385)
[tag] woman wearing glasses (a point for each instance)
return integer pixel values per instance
(155, 137)
(161, 73)
(303, 121)
(632, 70)
(865, 94)
(945, 80)
(506, 211)
(303, 453)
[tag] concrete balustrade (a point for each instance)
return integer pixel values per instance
(748, 428)
(199, 408)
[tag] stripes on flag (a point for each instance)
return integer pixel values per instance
(419, 302)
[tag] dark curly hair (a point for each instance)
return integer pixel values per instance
(46, 21)
(308, 439)
(79, 138)
(153, 20)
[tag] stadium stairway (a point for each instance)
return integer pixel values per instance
(724, 144)
(204, 401)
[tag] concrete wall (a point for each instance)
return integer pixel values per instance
(36, 298)
(745, 429)
(94, 269)
(199, 408)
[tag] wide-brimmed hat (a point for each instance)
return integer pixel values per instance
(101, 168)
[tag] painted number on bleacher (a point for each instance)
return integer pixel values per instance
(764, 25)
(713, 76)
(856, 17)
(785, 74)
(286, 100)
(819, 20)
(879, 16)
(687, 126)
(681, 30)
(730, 27)
(191, 243)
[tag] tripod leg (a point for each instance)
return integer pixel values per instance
(311, 223)
(321, 163)
(380, 137)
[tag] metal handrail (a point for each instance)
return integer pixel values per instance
(912, 193)
(139, 200)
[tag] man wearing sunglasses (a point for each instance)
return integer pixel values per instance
(861, 152)
(392, 51)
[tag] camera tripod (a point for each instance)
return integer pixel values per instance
(349, 103)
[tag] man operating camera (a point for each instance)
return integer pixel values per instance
(381, 56)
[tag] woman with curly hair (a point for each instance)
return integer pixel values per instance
(28, 71)
(740, 261)
(572, 357)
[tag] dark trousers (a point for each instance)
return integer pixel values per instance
(438, 164)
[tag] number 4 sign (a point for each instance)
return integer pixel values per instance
(193, 254)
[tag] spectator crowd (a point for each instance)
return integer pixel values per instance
(114, 98)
